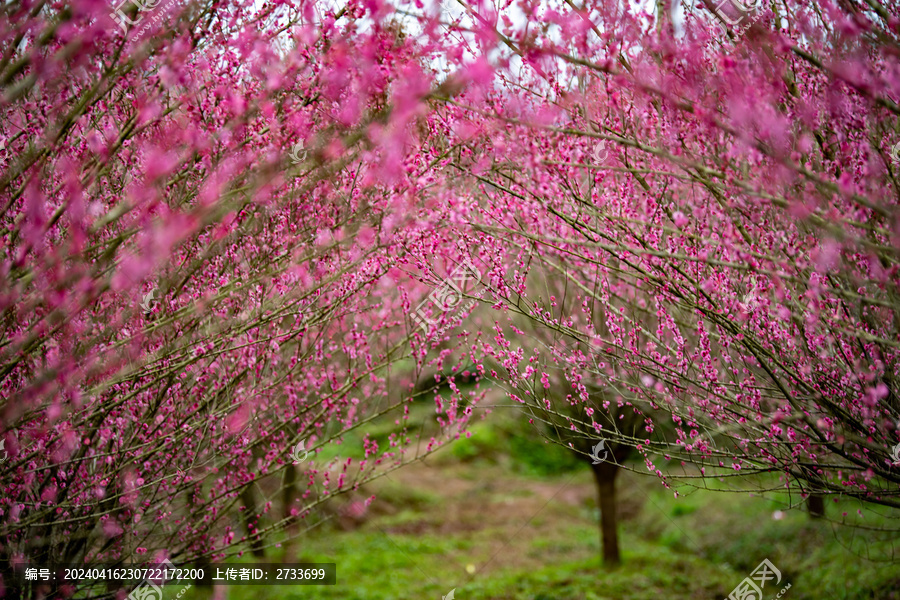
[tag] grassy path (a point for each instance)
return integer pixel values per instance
(487, 520)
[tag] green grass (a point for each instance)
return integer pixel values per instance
(821, 558)
(493, 503)
(706, 545)
(375, 566)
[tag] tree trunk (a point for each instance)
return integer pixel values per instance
(816, 505)
(292, 524)
(288, 495)
(251, 522)
(605, 475)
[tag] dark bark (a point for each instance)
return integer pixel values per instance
(816, 505)
(251, 522)
(605, 476)
(288, 495)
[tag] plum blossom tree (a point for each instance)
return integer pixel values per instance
(722, 216)
(218, 221)
(186, 294)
